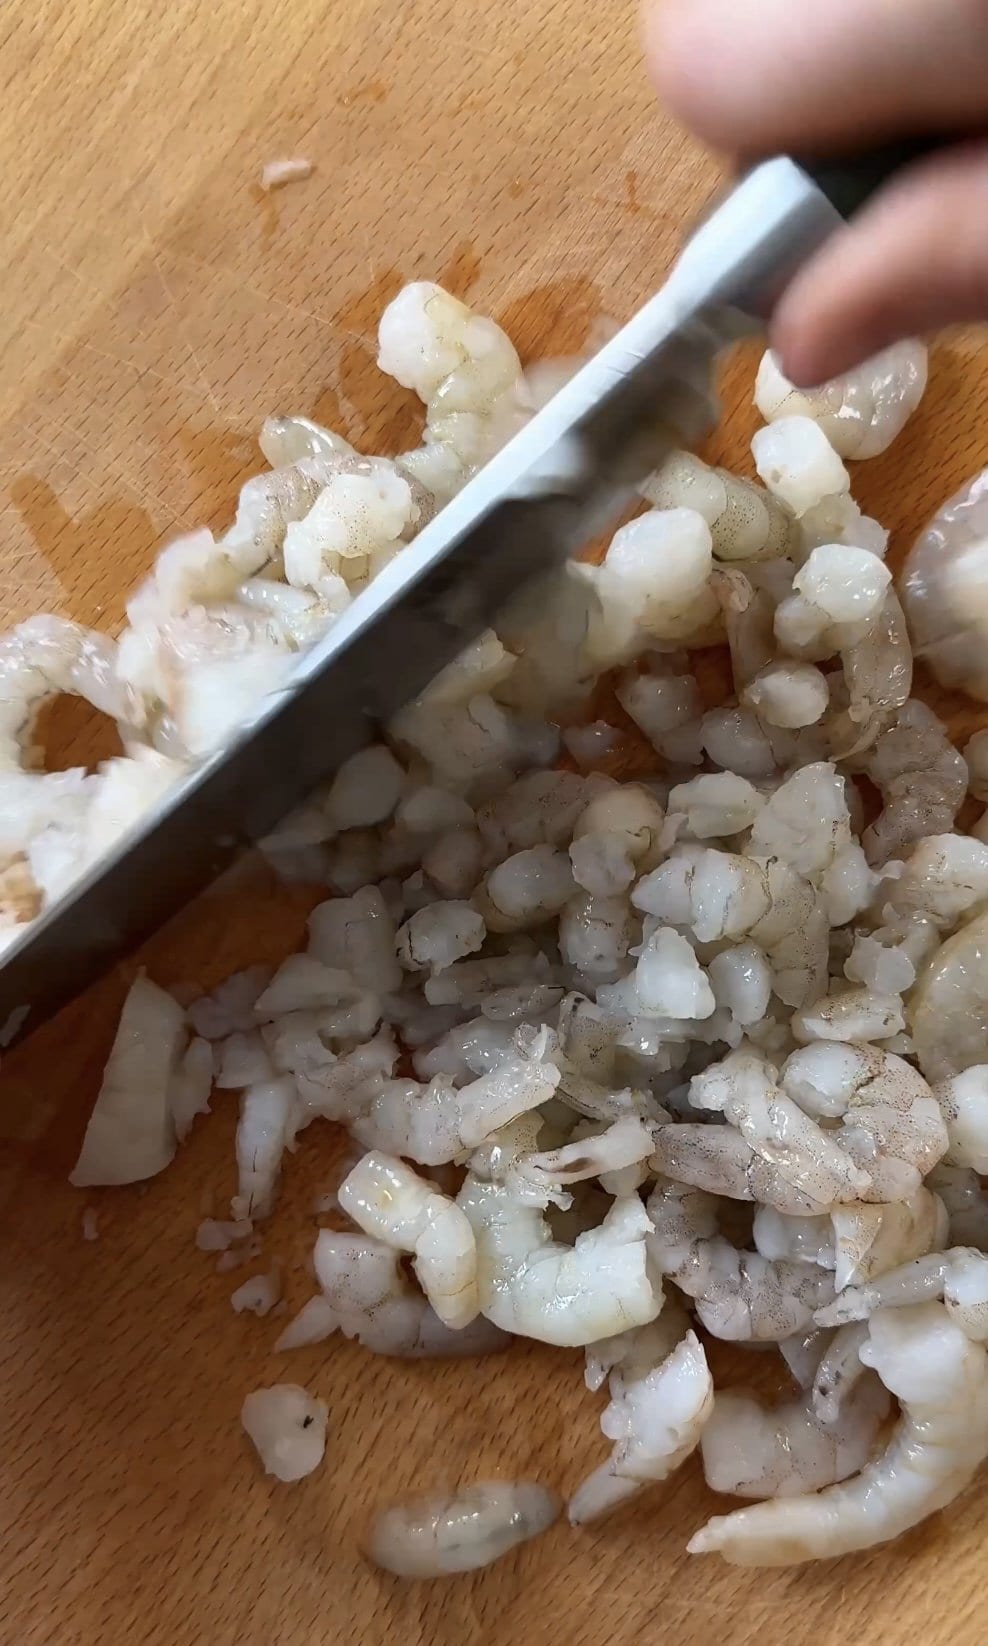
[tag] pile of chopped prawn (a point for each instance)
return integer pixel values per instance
(571, 1023)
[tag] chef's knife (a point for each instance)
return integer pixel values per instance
(568, 475)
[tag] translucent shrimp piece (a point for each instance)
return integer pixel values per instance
(944, 879)
(922, 778)
(798, 464)
(285, 440)
(963, 1197)
(790, 695)
(433, 1124)
(837, 595)
(439, 935)
(963, 1101)
(354, 527)
(751, 1450)
(806, 821)
(655, 1422)
(735, 740)
(357, 935)
(390, 1202)
(888, 958)
(838, 1370)
(567, 1295)
(743, 1088)
(748, 615)
(975, 754)
(891, 1126)
(268, 1121)
(943, 590)
(741, 979)
(446, 1533)
(948, 1008)
(620, 1360)
(659, 566)
(669, 979)
(746, 523)
(465, 369)
(625, 1143)
(868, 1240)
(668, 710)
(862, 412)
(544, 809)
(839, 520)
(716, 804)
(288, 1429)
(372, 1300)
(794, 1239)
(526, 889)
(616, 837)
(723, 895)
(45, 656)
(739, 1296)
(878, 674)
(595, 934)
(939, 1378)
(856, 1014)
(958, 1278)
(718, 1160)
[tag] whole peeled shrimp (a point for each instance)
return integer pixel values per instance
(389, 1201)
(940, 1379)
(537, 1287)
(740, 1296)
(655, 1421)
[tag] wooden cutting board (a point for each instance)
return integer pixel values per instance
(155, 306)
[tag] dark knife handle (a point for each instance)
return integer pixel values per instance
(849, 181)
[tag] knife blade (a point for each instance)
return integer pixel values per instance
(564, 478)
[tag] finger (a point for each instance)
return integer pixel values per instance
(915, 259)
(753, 76)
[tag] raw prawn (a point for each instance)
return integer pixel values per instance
(460, 1531)
(387, 1200)
(940, 1379)
(655, 1421)
(537, 1287)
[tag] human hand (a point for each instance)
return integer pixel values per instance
(755, 77)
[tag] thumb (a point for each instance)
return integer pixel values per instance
(915, 259)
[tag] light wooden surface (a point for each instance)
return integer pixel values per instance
(155, 306)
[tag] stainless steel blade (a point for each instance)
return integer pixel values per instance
(558, 483)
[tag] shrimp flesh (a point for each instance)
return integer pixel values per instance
(746, 522)
(433, 1124)
(459, 1532)
(940, 1379)
(743, 1088)
(537, 1287)
(943, 590)
(740, 1296)
(862, 412)
(891, 1126)
(750, 1450)
(390, 1202)
(958, 1278)
(370, 1298)
(655, 1422)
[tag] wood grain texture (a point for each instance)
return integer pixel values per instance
(155, 307)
